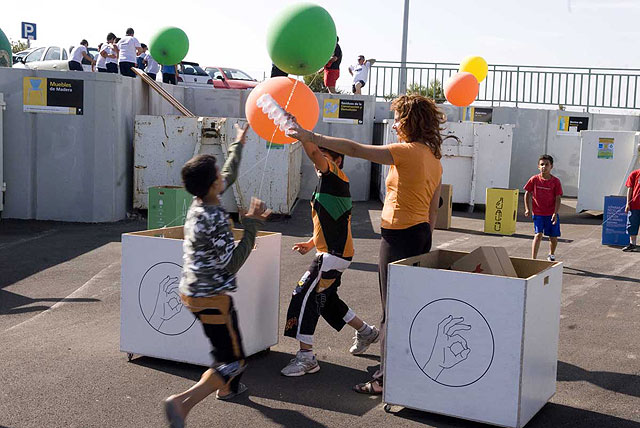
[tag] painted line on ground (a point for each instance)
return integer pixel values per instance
(25, 240)
(100, 276)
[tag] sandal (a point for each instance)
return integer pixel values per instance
(242, 388)
(369, 388)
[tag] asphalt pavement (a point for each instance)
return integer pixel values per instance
(60, 328)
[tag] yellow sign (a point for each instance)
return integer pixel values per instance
(51, 95)
(331, 108)
(563, 123)
(468, 114)
(34, 91)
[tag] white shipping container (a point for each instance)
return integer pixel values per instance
(606, 159)
(162, 144)
(480, 160)
(474, 346)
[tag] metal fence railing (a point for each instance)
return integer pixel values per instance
(614, 88)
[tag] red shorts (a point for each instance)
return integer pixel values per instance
(331, 77)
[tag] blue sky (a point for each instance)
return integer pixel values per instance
(598, 33)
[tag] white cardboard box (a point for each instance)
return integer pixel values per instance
(474, 346)
(151, 271)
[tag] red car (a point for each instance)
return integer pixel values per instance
(230, 78)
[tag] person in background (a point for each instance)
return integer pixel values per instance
(107, 57)
(77, 54)
(632, 209)
(410, 206)
(360, 73)
(276, 72)
(128, 47)
(332, 69)
(141, 56)
(545, 190)
(101, 61)
(170, 74)
(151, 66)
(112, 62)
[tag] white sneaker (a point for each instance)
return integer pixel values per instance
(301, 365)
(361, 342)
(551, 258)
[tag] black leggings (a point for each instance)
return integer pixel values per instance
(398, 244)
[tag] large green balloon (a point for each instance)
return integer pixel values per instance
(6, 57)
(169, 46)
(301, 39)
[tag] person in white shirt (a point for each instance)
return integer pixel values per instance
(360, 73)
(79, 52)
(129, 48)
(101, 62)
(152, 68)
(108, 56)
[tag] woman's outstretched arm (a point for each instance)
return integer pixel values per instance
(377, 154)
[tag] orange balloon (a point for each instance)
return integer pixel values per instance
(303, 105)
(461, 89)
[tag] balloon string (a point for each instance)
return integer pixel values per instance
(271, 140)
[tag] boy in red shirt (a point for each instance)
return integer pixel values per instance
(633, 210)
(546, 191)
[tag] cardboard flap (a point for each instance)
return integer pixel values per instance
(486, 260)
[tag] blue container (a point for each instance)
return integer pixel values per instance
(614, 227)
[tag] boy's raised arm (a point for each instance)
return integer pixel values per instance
(229, 171)
(316, 156)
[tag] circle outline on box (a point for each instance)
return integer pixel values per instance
(493, 343)
(140, 302)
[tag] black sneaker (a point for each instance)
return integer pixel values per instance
(629, 247)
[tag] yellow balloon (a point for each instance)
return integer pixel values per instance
(475, 65)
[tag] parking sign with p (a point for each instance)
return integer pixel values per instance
(28, 30)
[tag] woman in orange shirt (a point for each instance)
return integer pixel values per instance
(413, 188)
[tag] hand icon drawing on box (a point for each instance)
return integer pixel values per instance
(449, 348)
(168, 302)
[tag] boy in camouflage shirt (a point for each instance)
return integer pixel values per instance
(211, 261)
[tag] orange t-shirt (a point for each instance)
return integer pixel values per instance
(412, 180)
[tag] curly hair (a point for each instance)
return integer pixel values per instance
(419, 121)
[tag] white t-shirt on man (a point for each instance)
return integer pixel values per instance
(152, 65)
(108, 48)
(76, 53)
(127, 46)
(360, 72)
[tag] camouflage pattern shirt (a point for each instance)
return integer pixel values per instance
(208, 248)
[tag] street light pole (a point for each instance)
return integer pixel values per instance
(402, 89)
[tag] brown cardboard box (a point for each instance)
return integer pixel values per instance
(444, 209)
(486, 260)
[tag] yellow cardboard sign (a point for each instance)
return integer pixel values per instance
(34, 91)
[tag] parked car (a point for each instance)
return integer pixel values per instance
(192, 75)
(231, 78)
(36, 56)
(19, 56)
(53, 58)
